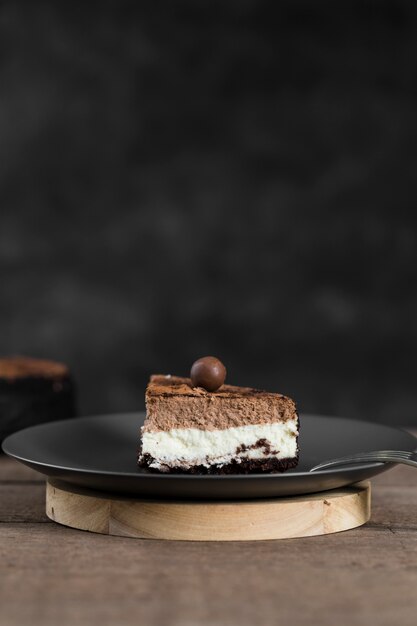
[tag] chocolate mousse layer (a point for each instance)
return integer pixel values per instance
(172, 402)
(13, 368)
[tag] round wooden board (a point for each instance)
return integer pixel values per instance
(279, 518)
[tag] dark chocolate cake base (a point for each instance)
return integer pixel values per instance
(245, 466)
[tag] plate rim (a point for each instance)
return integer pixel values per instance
(194, 477)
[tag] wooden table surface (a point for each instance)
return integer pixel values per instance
(52, 575)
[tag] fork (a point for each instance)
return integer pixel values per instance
(377, 456)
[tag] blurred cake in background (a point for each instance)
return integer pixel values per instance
(33, 391)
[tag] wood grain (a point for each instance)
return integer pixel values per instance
(12, 471)
(25, 504)
(279, 518)
(50, 574)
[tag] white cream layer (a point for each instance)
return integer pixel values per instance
(191, 446)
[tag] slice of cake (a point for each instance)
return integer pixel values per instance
(33, 391)
(230, 430)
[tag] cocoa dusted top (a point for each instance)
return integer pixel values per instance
(172, 402)
(18, 367)
(177, 385)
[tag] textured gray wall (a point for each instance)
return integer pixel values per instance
(184, 178)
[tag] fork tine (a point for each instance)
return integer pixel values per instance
(387, 456)
(397, 453)
(378, 453)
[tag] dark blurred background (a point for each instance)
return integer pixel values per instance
(234, 178)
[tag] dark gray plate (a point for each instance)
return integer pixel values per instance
(100, 453)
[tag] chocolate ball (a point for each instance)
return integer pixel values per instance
(208, 372)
